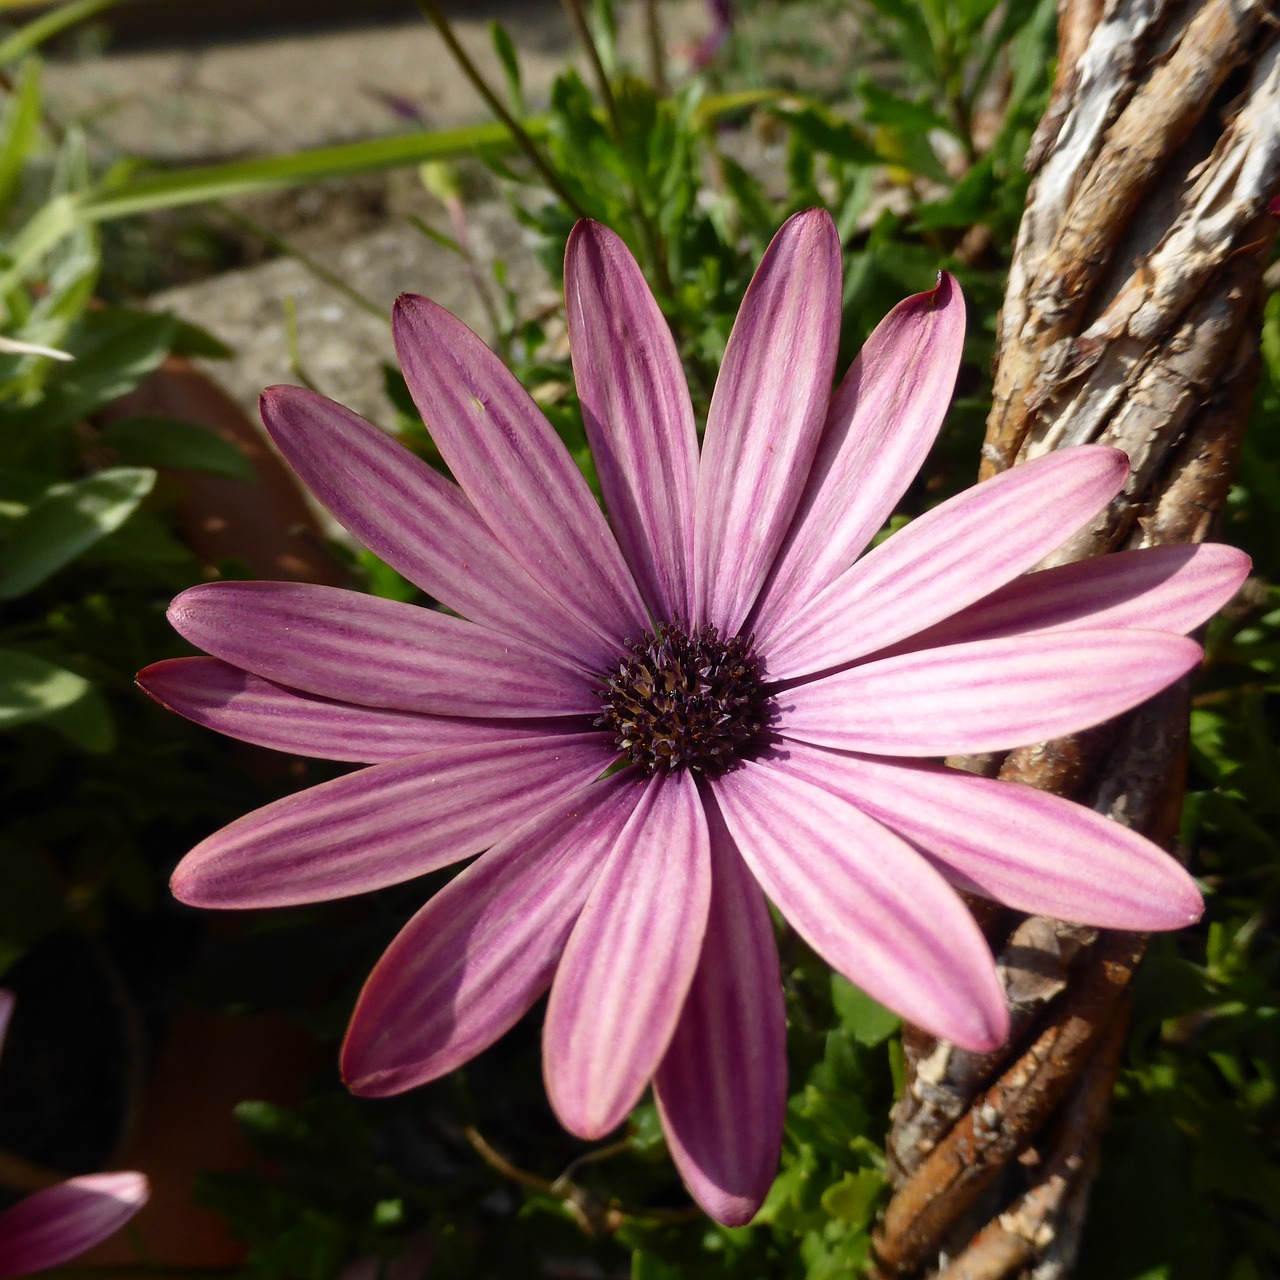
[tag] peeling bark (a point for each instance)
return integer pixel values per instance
(1131, 318)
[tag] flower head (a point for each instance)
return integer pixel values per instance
(648, 725)
(63, 1221)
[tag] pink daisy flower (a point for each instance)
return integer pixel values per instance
(647, 725)
(61, 1222)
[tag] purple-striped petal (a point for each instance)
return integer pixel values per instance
(385, 824)
(1172, 589)
(1023, 847)
(62, 1222)
(6, 1013)
(988, 696)
(766, 415)
(721, 1088)
(515, 469)
(637, 412)
(630, 959)
(879, 429)
(470, 964)
(423, 526)
(867, 902)
(951, 556)
(377, 653)
(224, 698)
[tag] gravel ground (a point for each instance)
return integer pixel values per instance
(216, 100)
(342, 345)
(208, 101)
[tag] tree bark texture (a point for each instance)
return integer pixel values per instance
(1131, 318)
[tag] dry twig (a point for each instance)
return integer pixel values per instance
(1131, 318)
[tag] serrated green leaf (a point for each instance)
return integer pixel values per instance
(827, 133)
(969, 201)
(853, 1199)
(868, 1022)
(882, 106)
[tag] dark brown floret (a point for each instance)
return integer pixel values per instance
(682, 700)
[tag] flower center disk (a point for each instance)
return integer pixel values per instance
(686, 700)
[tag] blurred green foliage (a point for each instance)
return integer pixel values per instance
(913, 136)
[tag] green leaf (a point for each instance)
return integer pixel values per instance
(191, 340)
(87, 722)
(169, 442)
(201, 184)
(644, 1266)
(853, 1199)
(34, 34)
(868, 1022)
(825, 132)
(114, 350)
(33, 689)
(40, 235)
(66, 521)
(21, 129)
(505, 48)
(883, 107)
(382, 580)
(970, 200)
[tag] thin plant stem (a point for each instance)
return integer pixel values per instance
(317, 269)
(591, 1215)
(657, 49)
(644, 224)
(292, 343)
(432, 11)
(583, 29)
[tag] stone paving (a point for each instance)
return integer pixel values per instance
(260, 96)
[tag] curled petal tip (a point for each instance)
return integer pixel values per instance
(945, 290)
(282, 397)
(406, 304)
(59, 1223)
(734, 1213)
(363, 1086)
(129, 1187)
(1236, 565)
(181, 889)
(589, 1128)
(180, 606)
(1117, 459)
(1186, 905)
(982, 1025)
(817, 215)
(986, 1031)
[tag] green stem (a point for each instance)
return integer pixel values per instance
(321, 272)
(653, 247)
(583, 30)
(431, 9)
(657, 49)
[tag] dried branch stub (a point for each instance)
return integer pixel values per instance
(1131, 318)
